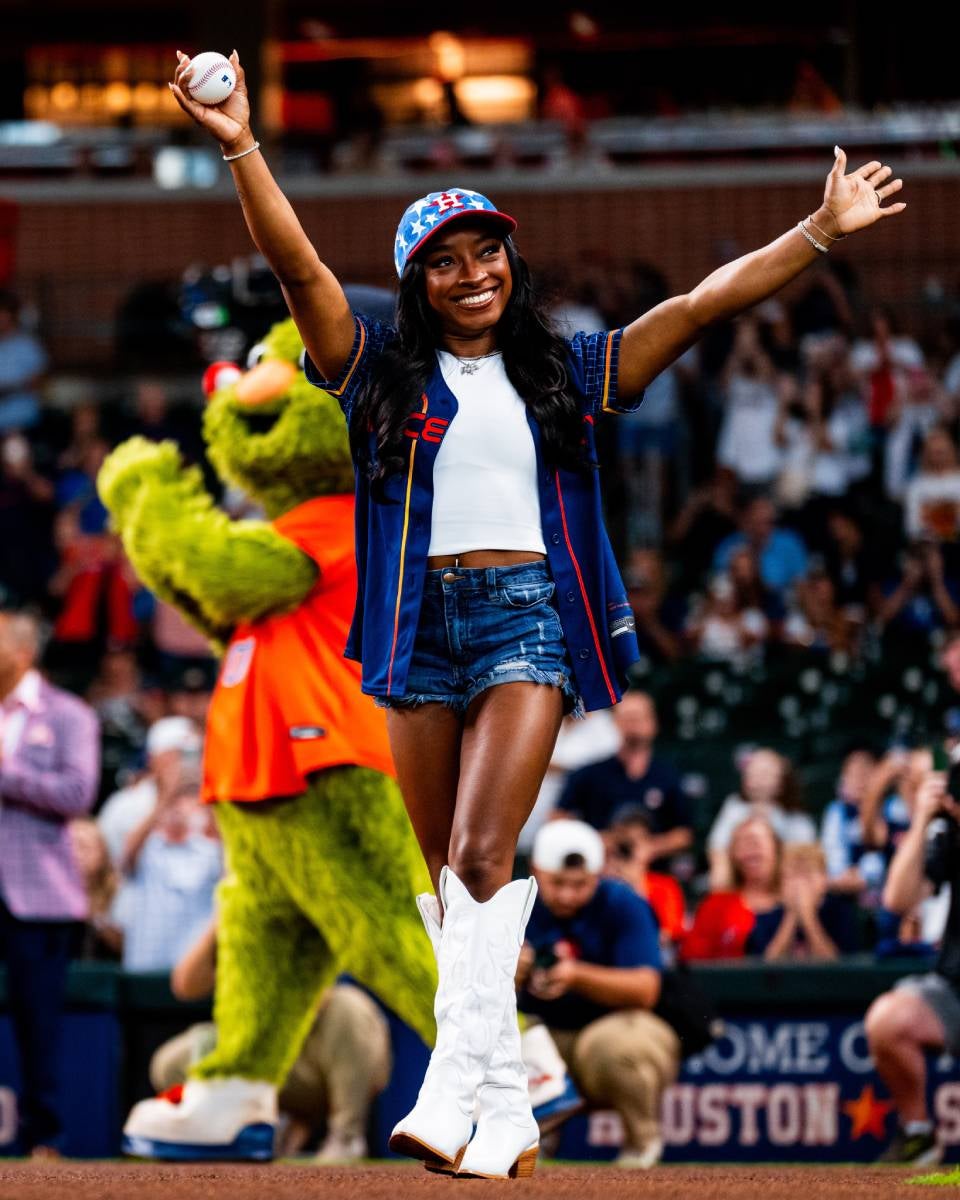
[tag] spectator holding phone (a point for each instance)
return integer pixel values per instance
(591, 971)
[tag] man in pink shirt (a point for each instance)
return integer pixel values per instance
(49, 770)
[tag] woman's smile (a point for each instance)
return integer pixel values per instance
(476, 299)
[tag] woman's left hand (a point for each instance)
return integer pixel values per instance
(856, 200)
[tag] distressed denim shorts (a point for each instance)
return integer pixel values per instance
(480, 626)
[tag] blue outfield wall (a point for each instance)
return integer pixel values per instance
(790, 1080)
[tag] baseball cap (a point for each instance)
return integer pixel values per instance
(556, 841)
(431, 212)
(172, 733)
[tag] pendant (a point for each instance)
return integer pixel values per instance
(469, 366)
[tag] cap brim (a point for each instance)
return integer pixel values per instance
(503, 221)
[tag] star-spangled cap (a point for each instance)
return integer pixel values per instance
(425, 216)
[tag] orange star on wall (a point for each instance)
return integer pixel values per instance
(868, 1114)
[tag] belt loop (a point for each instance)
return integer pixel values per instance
(491, 576)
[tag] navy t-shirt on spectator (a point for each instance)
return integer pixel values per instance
(616, 929)
(596, 792)
(838, 916)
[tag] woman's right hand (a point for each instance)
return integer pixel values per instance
(228, 122)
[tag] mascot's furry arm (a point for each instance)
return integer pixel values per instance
(217, 572)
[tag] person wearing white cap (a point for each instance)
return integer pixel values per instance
(490, 602)
(590, 971)
(171, 742)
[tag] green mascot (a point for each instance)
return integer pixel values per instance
(322, 862)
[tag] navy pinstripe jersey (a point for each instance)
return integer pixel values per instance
(393, 536)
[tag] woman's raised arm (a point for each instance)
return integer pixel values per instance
(313, 293)
(850, 202)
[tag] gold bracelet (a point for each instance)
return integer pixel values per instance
(823, 233)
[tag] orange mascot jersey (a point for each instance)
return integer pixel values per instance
(287, 702)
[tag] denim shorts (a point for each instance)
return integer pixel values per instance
(480, 626)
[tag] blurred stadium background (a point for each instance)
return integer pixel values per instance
(639, 151)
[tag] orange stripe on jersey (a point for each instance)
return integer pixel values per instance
(403, 555)
(353, 366)
(608, 358)
(583, 593)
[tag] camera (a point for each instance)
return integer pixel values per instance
(546, 958)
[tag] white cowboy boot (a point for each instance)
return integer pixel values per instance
(477, 953)
(507, 1135)
(207, 1120)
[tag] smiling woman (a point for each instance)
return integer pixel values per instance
(489, 600)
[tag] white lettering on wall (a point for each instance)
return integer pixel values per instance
(783, 1115)
(677, 1115)
(713, 1114)
(8, 1116)
(946, 1108)
(854, 1051)
(821, 1102)
(750, 1098)
(786, 1114)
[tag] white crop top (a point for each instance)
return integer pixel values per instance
(485, 475)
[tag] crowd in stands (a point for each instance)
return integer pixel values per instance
(789, 492)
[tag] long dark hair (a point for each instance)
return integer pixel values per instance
(534, 356)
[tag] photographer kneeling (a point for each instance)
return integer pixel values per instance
(922, 1012)
(591, 971)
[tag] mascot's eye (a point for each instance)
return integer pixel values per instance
(256, 354)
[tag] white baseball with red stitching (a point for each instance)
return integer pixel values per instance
(213, 78)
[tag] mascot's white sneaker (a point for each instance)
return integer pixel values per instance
(477, 952)
(507, 1137)
(553, 1094)
(207, 1120)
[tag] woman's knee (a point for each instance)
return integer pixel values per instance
(482, 866)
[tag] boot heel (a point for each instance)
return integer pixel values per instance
(433, 1160)
(443, 1168)
(526, 1164)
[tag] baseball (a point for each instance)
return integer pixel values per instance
(213, 78)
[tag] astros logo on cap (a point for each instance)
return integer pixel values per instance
(425, 216)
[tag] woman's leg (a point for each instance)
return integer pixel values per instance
(425, 742)
(508, 738)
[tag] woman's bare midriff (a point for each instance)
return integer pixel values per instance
(483, 558)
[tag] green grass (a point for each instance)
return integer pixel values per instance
(940, 1179)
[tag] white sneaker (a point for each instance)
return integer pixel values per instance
(470, 1008)
(207, 1120)
(643, 1159)
(342, 1148)
(553, 1094)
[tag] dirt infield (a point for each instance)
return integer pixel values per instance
(135, 1181)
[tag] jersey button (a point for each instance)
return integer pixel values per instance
(555, 539)
(584, 653)
(571, 596)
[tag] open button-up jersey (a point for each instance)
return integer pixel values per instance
(393, 537)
